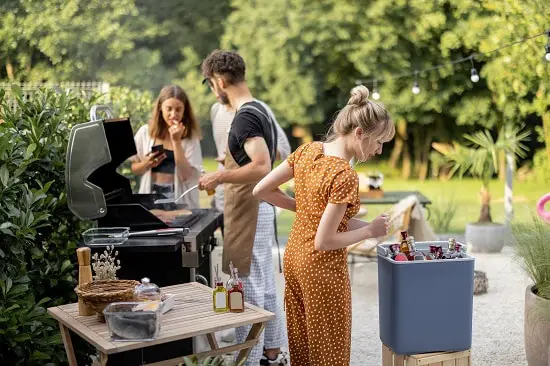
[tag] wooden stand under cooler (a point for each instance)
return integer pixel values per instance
(462, 358)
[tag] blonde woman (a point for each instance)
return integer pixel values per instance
(317, 288)
(169, 154)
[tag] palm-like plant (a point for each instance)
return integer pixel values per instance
(480, 158)
(208, 361)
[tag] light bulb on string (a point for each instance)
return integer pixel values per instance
(416, 88)
(474, 76)
(375, 93)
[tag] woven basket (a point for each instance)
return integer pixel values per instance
(98, 294)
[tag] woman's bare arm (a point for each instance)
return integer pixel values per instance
(268, 188)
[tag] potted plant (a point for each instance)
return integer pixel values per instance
(479, 158)
(532, 246)
(208, 361)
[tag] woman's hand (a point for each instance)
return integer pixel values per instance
(177, 131)
(379, 226)
(151, 160)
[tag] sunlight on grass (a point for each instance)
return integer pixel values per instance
(464, 192)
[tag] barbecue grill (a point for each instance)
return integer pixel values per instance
(96, 191)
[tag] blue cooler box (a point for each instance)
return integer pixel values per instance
(425, 306)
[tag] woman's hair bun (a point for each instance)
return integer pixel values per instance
(359, 96)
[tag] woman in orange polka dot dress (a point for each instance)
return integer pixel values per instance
(317, 290)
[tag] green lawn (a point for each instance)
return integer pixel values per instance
(463, 192)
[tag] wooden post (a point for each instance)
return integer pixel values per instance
(84, 276)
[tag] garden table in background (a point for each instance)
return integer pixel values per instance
(393, 197)
(191, 316)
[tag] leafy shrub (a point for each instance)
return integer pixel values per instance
(541, 167)
(38, 233)
(442, 212)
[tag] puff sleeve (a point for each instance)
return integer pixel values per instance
(344, 187)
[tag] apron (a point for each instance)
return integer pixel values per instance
(240, 214)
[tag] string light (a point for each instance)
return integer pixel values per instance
(474, 75)
(416, 88)
(375, 93)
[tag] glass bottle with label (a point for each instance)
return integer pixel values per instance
(451, 251)
(236, 294)
(220, 297)
(459, 250)
(414, 255)
(396, 255)
(404, 245)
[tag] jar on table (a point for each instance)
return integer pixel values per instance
(147, 291)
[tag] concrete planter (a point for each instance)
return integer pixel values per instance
(536, 328)
(485, 237)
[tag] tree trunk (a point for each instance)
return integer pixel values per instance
(501, 166)
(425, 161)
(9, 70)
(407, 165)
(485, 213)
(417, 150)
(400, 136)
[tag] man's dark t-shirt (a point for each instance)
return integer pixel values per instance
(252, 120)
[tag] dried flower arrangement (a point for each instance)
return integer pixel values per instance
(106, 264)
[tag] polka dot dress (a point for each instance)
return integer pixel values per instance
(317, 290)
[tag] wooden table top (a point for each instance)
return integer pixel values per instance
(393, 197)
(191, 315)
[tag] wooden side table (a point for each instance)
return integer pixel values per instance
(192, 315)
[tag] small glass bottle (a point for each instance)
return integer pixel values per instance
(404, 245)
(219, 297)
(459, 250)
(451, 251)
(229, 284)
(414, 255)
(210, 192)
(147, 291)
(236, 294)
(396, 255)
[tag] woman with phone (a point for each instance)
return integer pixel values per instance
(169, 156)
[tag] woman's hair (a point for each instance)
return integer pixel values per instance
(157, 125)
(371, 116)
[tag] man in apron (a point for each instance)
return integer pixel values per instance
(248, 223)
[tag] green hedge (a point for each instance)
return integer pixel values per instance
(38, 233)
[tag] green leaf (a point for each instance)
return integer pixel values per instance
(66, 264)
(4, 175)
(17, 249)
(37, 355)
(9, 284)
(18, 289)
(13, 307)
(36, 253)
(30, 149)
(6, 225)
(22, 337)
(43, 301)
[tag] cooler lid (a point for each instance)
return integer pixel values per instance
(94, 152)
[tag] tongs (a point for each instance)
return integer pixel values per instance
(171, 200)
(161, 232)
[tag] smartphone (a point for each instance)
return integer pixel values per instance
(158, 148)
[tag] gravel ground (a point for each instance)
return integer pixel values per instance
(498, 314)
